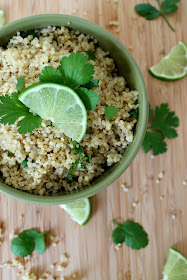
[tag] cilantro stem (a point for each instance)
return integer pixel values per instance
(114, 222)
(159, 3)
(162, 14)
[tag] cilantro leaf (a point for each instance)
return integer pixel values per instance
(71, 170)
(147, 10)
(24, 34)
(88, 158)
(132, 234)
(111, 112)
(134, 113)
(28, 123)
(92, 84)
(91, 55)
(88, 97)
(55, 38)
(113, 126)
(10, 154)
(11, 109)
(50, 74)
(155, 141)
(23, 245)
(83, 166)
(40, 244)
(150, 12)
(33, 33)
(20, 83)
(162, 126)
(169, 6)
(76, 70)
(24, 163)
(118, 235)
(79, 150)
(165, 121)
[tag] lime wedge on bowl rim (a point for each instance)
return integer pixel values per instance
(173, 66)
(78, 210)
(175, 267)
(59, 104)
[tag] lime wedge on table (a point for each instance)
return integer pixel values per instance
(59, 104)
(175, 267)
(79, 210)
(173, 66)
(2, 18)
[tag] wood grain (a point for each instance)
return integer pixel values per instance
(92, 253)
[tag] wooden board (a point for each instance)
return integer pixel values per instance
(90, 248)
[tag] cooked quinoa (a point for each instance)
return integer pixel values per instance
(49, 153)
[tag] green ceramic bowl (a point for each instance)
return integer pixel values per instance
(127, 67)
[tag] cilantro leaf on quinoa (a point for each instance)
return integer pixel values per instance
(76, 70)
(111, 112)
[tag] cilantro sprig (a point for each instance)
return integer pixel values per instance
(77, 73)
(20, 83)
(27, 241)
(74, 72)
(163, 126)
(150, 12)
(131, 233)
(78, 149)
(11, 109)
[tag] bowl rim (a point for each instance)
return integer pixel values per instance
(115, 174)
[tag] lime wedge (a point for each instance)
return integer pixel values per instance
(175, 267)
(59, 104)
(79, 210)
(2, 18)
(173, 66)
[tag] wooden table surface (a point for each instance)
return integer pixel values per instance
(90, 249)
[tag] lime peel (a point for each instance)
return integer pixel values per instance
(79, 210)
(173, 66)
(175, 267)
(59, 104)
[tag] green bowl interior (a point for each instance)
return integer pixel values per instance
(126, 66)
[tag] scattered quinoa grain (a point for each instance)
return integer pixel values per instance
(114, 23)
(161, 175)
(152, 156)
(52, 266)
(64, 258)
(184, 182)
(51, 237)
(60, 267)
(118, 29)
(157, 181)
(134, 204)
(173, 217)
